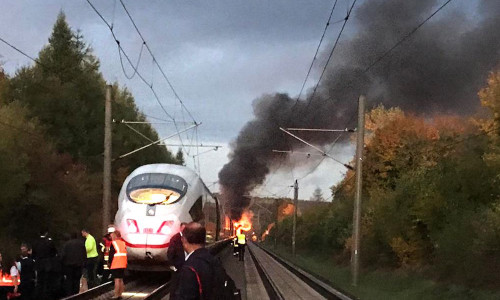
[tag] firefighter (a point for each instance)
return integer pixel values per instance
(242, 240)
(105, 245)
(118, 262)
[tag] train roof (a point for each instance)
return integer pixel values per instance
(178, 170)
(186, 173)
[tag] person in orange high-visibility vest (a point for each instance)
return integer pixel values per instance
(9, 278)
(117, 262)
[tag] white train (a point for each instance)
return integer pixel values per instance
(153, 201)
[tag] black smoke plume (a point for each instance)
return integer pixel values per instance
(439, 69)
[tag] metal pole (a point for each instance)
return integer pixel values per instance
(295, 203)
(106, 189)
(276, 224)
(359, 185)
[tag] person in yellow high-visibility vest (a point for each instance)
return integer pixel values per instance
(117, 262)
(242, 241)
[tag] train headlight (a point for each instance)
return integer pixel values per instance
(154, 196)
(132, 226)
(165, 228)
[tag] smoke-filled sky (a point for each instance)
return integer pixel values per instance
(223, 56)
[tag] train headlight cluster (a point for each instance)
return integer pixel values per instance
(166, 228)
(132, 226)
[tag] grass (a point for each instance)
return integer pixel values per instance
(378, 285)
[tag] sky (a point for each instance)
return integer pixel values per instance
(219, 55)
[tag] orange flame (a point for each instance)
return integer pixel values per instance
(245, 223)
(269, 227)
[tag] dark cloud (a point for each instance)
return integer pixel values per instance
(439, 69)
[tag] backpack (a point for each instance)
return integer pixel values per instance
(224, 287)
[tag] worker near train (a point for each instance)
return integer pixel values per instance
(9, 278)
(105, 246)
(90, 270)
(235, 246)
(45, 256)
(176, 258)
(73, 258)
(27, 267)
(118, 262)
(242, 241)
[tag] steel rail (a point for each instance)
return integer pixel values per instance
(320, 285)
(160, 292)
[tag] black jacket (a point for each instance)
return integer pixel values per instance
(45, 255)
(43, 248)
(175, 252)
(74, 253)
(201, 260)
(27, 269)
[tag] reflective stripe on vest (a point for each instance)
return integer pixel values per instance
(6, 280)
(120, 257)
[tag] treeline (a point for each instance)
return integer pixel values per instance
(51, 141)
(431, 203)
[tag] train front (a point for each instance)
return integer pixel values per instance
(149, 214)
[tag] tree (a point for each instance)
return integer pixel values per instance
(317, 195)
(179, 157)
(51, 139)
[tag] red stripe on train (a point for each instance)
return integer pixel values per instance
(146, 246)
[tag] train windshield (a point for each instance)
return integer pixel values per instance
(156, 188)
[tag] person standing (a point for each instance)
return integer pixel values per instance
(242, 241)
(73, 258)
(196, 275)
(90, 270)
(44, 254)
(176, 258)
(105, 246)
(9, 278)
(27, 268)
(118, 262)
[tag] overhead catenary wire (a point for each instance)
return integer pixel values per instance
(316, 53)
(331, 53)
(156, 62)
(120, 48)
(150, 86)
(20, 51)
(380, 58)
(410, 33)
(136, 65)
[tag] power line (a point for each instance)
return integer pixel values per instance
(156, 61)
(150, 86)
(20, 51)
(136, 66)
(406, 37)
(331, 52)
(378, 59)
(316, 53)
(120, 48)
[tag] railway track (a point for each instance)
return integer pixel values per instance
(274, 272)
(148, 287)
(280, 285)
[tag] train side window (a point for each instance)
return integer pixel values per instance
(196, 210)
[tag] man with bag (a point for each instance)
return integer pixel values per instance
(202, 276)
